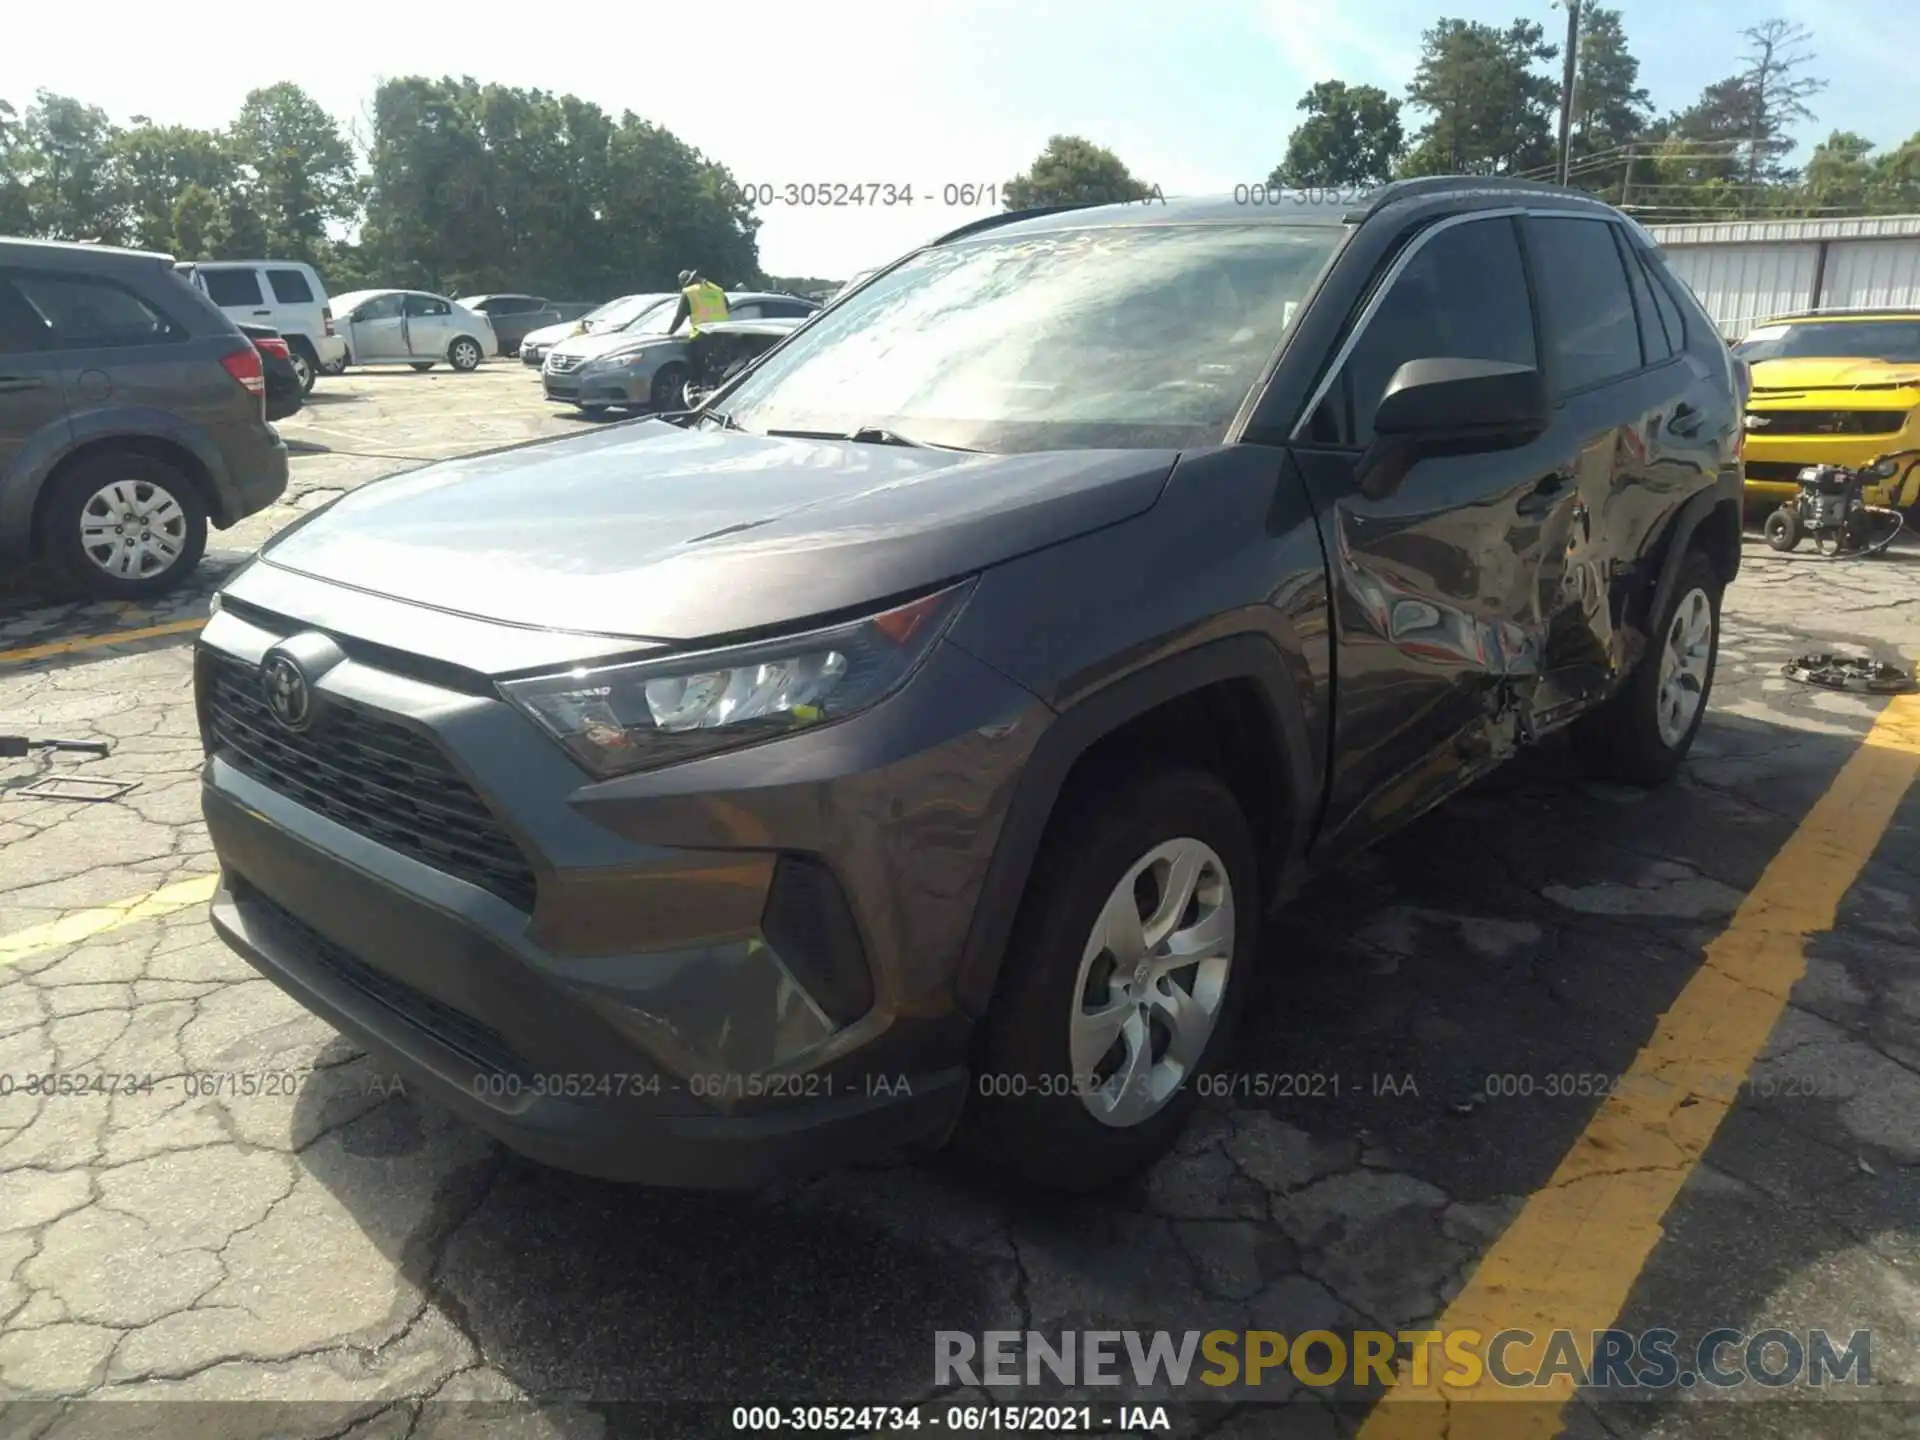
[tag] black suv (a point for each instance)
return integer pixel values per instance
(911, 741)
(131, 416)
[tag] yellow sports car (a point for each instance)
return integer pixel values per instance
(1832, 389)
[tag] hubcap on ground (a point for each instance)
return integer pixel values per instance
(1151, 982)
(1683, 665)
(132, 529)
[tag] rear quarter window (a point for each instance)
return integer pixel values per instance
(86, 312)
(233, 287)
(290, 287)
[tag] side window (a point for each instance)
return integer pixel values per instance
(381, 307)
(22, 331)
(748, 310)
(1663, 301)
(1591, 332)
(1654, 341)
(427, 305)
(1462, 296)
(232, 287)
(290, 287)
(81, 312)
(786, 310)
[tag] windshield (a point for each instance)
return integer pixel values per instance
(653, 320)
(1833, 339)
(1120, 336)
(616, 313)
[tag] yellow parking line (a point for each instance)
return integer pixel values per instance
(93, 642)
(85, 924)
(1573, 1253)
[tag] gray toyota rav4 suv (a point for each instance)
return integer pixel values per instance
(131, 417)
(910, 742)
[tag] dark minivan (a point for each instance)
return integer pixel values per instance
(131, 418)
(914, 739)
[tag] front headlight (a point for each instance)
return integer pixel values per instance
(618, 719)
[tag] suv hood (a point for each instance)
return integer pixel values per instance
(649, 532)
(1840, 372)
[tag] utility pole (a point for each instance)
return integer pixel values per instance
(1566, 86)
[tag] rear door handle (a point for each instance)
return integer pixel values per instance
(263, 312)
(10, 384)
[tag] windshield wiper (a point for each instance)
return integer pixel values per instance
(727, 422)
(869, 435)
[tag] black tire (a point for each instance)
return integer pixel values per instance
(335, 367)
(423, 365)
(1622, 739)
(669, 384)
(464, 353)
(593, 412)
(1783, 529)
(305, 363)
(1023, 1112)
(74, 496)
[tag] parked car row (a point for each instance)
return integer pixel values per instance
(626, 356)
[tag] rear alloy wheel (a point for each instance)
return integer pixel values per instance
(303, 368)
(125, 526)
(464, 354)
(1643, 732)
(1121, 985)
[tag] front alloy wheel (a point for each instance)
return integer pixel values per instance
(1152, 979)
(1117, 995)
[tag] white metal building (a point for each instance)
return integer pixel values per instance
(1746, 270)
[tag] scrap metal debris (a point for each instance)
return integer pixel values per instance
(1850, 672)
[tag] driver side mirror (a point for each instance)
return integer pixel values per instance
(1451, 406)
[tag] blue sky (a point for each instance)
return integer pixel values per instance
(1196, 97)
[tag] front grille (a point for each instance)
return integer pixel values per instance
(563, 364)
(377, 778)
(1829, 422)
(1787, 470)
(481, 1045)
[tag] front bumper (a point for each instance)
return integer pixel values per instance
(625, 388)
(736, 968)
(1774, 460)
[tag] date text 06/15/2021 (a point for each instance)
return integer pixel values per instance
(952, 1419)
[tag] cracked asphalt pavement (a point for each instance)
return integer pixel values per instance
(257, 1213)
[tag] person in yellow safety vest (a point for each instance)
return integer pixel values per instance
(701, 302)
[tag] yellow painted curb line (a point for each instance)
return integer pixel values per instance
(85, 924)
(94, 642)
(1572, 1255)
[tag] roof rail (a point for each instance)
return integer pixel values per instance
(1396, 190)
(1007, 217)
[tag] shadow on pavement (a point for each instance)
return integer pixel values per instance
(1368, 1153)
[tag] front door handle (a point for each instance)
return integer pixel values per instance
(263, 312)
(1685, 421)
(1544, 496)
(10, 384)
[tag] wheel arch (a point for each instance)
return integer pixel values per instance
(1230, 705)
(162, 448)
(1709, 522)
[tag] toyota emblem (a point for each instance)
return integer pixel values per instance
(288, 694)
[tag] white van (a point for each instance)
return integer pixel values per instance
(285, 294)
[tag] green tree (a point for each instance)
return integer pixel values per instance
(1490, 112)
(1074, 171)
(158, 166)
(1838, 174)
(16, 216)
(1776, 96)
(296, 169)
(1893, 184)
(71, 178)
(1611, 108)
(1351, 136)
